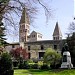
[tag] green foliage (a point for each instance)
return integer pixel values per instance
(40, 63)
(51, 56)
(5, 64)
(30, 61)
(71, 44)
(4, 1)
(23, 65)
(15, 64)
(2, 35)
(44, 67)
(34, 66)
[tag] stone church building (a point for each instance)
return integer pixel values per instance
(33, 42)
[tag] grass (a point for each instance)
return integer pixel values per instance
(42, 72)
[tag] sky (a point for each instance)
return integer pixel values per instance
(62, 11)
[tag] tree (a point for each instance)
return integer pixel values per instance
(6, 64)
(18, 56)
(72, 27)
(9, 8)
(2, 35)
(51, 57)
(19, 52)
(71, 44)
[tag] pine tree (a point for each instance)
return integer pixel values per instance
(2, 35)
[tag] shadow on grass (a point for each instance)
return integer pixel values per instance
(52, 70)
(57, 70)
(36, 70)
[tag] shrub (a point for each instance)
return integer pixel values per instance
(55, 66)
(40, 63)
(44, 67)
(34, 66)
(23, 65)
(26, 65)
(15, 63)
(30, 61)
(51, 57)
(6, 65)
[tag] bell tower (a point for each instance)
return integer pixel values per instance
(24, 28)
(57, 35)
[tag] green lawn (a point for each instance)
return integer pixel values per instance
(41, 72)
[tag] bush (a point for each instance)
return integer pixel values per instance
(7, 72)
(30, 61)
(51, 57)
(34, 66)
(6, 65)
(26, 65)
(23, 65)
(44, 67)
(15, 64)
(40, 63)
(55, 66)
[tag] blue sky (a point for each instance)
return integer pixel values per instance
(62, 11)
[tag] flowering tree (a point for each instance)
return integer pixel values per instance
(19, 52)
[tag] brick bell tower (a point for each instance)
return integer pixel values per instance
(24, 28)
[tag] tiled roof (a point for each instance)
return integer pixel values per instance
(57, 30)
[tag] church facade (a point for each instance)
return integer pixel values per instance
(33, 42)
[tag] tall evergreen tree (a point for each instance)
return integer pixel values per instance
(2, 35)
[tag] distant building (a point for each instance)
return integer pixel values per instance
(33, 42)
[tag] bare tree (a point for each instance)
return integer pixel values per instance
(72, 27)
(11, 8)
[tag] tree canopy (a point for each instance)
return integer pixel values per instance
(71, 44)
(72, 27)
(11, 8)
(51, 56)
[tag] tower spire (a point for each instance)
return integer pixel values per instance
(24, 17)
(24, 26)
(57, 35)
